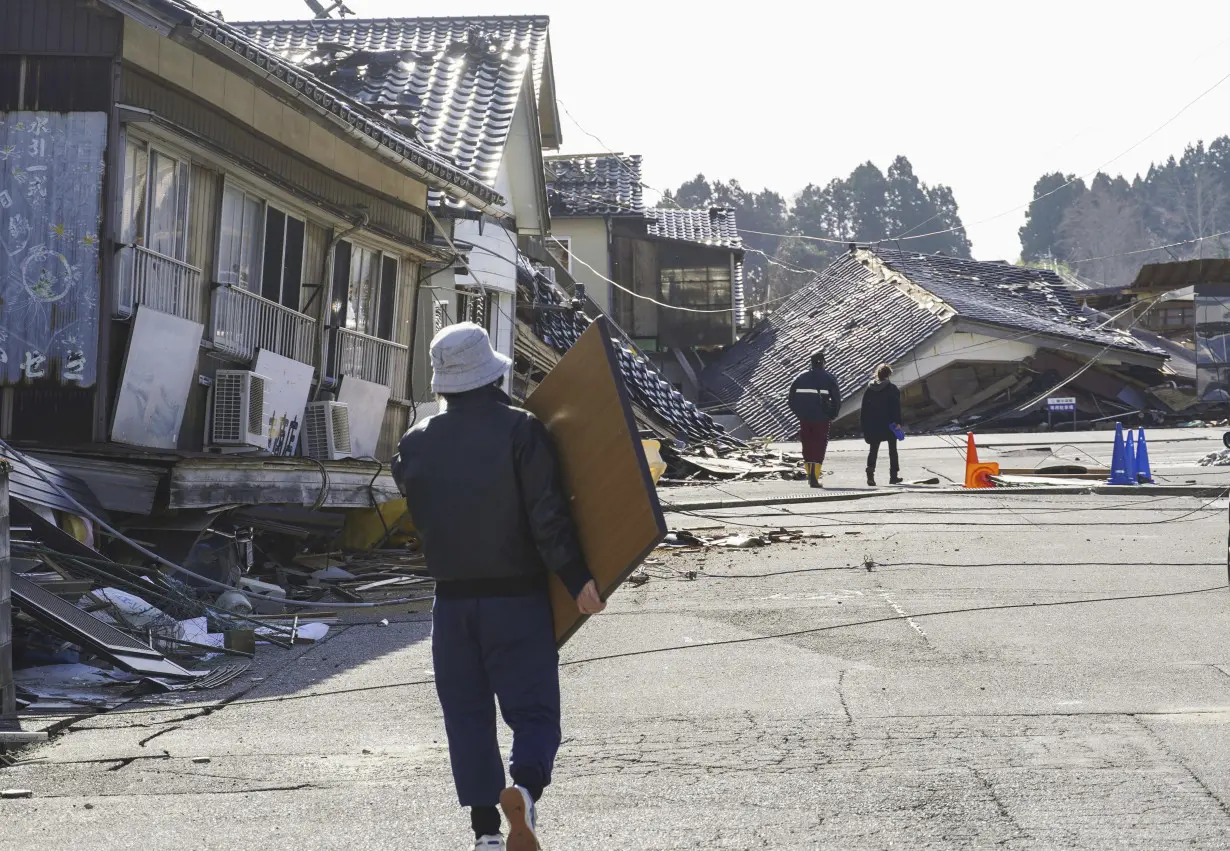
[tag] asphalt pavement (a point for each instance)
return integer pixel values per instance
(924, 669)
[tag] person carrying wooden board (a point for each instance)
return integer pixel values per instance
(482, 483)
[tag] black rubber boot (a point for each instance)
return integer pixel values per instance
(871, 478)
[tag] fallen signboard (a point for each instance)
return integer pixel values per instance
(585, 406)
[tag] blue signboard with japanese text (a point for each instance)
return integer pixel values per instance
(51, 173)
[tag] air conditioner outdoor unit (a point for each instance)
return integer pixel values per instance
(326, 431)
(239, 409)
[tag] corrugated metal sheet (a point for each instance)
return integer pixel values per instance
(58, 27)
(269, 161)
(26, 482)
(50, 233)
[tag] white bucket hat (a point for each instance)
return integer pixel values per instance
(462, 359)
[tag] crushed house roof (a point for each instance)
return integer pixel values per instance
(876, 306)
(454, 81)
(595, 185)
(649, 390)
(439, 168)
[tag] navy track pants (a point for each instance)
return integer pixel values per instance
(490, 648)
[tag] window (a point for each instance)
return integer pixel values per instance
(240, 235)
(155, 202)
(364, 290)
(282, 274)
(561, 249)
(475, 305)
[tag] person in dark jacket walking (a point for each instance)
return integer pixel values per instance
(815, 400)
(881, 417)
(482, 484)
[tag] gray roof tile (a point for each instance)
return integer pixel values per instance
(454, 81)
(715, 226)
(588, 185)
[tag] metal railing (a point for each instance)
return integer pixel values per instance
(372, 359)
(158, 282)
(243, 322)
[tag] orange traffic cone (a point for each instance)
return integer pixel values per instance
(977, 474)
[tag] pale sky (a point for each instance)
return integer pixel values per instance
(781, 94)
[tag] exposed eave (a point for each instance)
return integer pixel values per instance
(172, 19)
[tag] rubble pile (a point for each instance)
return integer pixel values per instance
(720, 462)
(1216, 459)
(98, 623)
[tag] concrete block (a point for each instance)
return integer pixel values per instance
(141, 45)
(322, 145)
(175, 63)
(295, 129)
(208, 80)
(239, 98)
(268, 116)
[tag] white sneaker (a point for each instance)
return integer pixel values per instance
(518, 807)
(490, 843)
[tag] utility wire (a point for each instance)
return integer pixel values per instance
(685, 647)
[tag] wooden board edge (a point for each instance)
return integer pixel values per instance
(643, 463)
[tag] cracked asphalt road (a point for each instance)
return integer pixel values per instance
(873, 725)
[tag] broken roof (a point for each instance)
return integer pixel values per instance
(877, 306)
(595, 185)
(456, 81)
(396, 141)
(648, 389)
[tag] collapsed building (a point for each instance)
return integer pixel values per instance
(969, 342)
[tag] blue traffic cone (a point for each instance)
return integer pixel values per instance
(1129, 457)
(1144, 474)
(1118, 466)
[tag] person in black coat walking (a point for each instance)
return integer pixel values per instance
(881, 416)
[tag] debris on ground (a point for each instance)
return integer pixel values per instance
(687, 540)
(1216, 459)
(97, 622)
(720, 462)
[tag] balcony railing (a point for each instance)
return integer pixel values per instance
(244, 322)
(158, 282)
(372, 359)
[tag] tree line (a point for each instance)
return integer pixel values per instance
(868, 206)
(1088, 228)
(1095, 231)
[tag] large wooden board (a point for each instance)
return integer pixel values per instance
(585, 406)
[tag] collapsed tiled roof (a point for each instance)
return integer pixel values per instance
(561, 330)
(321, 94)
(602, 185)
(861, 314)
(454, 81)
(715, 226)
(1017, 297)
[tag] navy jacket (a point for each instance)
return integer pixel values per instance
(814, 396)
(881, 410)
(482, 483)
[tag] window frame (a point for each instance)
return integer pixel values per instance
(287, 217)
(257, 264)
(553, 245)
(138, 220)
(340, 302)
